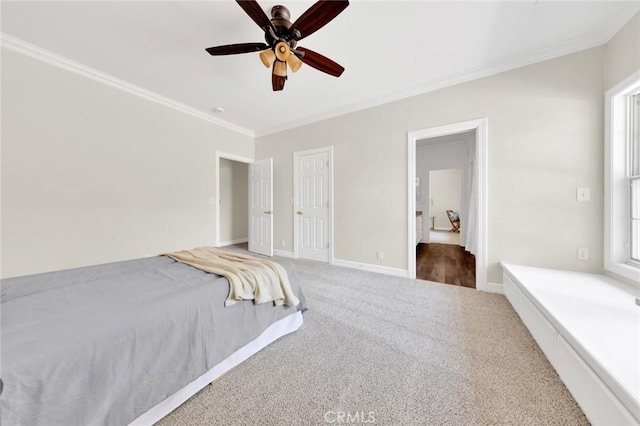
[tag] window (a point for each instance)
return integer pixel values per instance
(622, 178)
(634, 178)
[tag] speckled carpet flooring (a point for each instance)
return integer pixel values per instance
(383, 350)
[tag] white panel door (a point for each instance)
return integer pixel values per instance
(312, 209)
(261, 207)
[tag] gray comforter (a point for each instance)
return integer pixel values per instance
(101, 345)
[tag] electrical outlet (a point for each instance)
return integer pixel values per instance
(380, 255)
(583, 254)
(283, 243)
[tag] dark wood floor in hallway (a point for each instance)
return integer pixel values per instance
(445, 263)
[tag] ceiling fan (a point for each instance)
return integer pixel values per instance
(282, 37)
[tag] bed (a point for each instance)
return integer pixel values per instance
(126, 342)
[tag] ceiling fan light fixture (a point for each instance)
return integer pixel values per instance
(282, 51)
(280, 69)
(294, 63)
(267, 57)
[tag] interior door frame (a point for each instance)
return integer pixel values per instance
(216, 198)
(480, 126)
(296, 155)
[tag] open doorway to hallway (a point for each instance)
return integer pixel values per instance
(445, 168)
(233, 202)
(476, 239)
(232, 199)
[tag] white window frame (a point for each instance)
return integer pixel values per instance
(634, 261)
(634, 176)
(616, 188)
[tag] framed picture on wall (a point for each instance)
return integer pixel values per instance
(418, 188)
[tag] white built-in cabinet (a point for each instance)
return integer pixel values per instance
(418, 227)
(587, 326)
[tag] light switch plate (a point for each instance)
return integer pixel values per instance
(583, 194)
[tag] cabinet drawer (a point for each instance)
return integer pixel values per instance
(512, 292)
(596, 400)
(539, 327)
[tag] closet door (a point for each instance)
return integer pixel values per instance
(261, 207)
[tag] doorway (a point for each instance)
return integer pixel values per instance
(473, 229)
(231, 201)
(444, 161)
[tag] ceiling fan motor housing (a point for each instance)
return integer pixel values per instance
(280, 16)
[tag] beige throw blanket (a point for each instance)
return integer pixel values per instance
(250, 278)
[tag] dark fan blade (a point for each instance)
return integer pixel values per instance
(317, 16)
(277, 82)
(255, 12)
(320, 62)
(232, 49)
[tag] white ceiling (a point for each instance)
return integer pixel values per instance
(390, 49)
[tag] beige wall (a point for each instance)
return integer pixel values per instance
(92, 174)
(622, 53)
(234, 200)
(445, 191)
(545, 140)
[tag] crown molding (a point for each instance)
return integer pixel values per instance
(44, 55)
(514, 62)
(624, 14)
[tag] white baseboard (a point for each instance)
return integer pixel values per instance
(386, 270)
(494, 288)
(232, 242)
(283, 253)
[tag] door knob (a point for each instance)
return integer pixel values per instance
(268, 212)
(299, 212)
